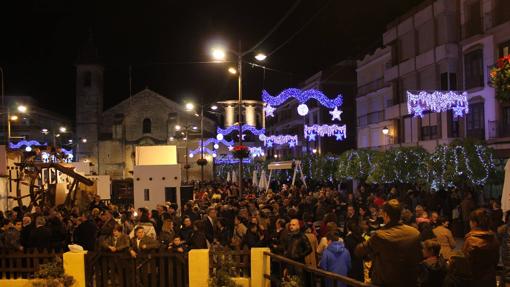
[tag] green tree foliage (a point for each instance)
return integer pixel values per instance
(356, 164)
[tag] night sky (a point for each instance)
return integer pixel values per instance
(163, 40)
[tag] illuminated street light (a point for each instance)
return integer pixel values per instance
(22, 109)
(189, 106)
(232, 70)
(214, 107)
(62, 129)
(84, 140)
(314, 150)
(45, 131)
(177, 127)
(260, 57)
(14, 118)
(218, 54)
(385, 130)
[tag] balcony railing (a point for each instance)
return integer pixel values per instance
(370, 87)
(498, 129)
(370, 118)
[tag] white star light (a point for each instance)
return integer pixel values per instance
(458, 111)
(336, 114)
(418, 111)
(269, 144)
(311, 137)
(269, 110)
(292, 144)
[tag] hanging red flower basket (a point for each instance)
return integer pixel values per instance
(241, 151)
(500, 79)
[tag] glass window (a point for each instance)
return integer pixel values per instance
(473, 69)
(475, 117)
(87, 79)
(147, 126)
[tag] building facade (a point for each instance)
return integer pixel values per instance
(434, 47)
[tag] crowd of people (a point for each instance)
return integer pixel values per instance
(383, 237)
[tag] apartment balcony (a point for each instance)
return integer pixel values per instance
(498, 129)
(370, 118)
(371, 87)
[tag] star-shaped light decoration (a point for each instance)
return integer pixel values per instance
(418, 111)
(458, 111)
(311, 137)
(339, 136)
(336, 113)
(292, 144)
(269, 111)
(230, 148)
(269, 144)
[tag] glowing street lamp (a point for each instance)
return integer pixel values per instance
(260, 57)
(232, 70)
(190, 106)
(22, 109)
(218, 54)
(14, 118)
(385, 131)
(62, 129)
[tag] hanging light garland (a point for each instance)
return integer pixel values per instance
(244, 128)
(30, 143)
(216, 141)
(437, 101)
(311, 132)
(292, 140)
(302, 97)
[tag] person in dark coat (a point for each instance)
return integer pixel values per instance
(85, 233)
(297, 245)
(335, 258)
(198, 239)
(395, 249)
(40, 237)
(117, 242)
(142, 243)
(28, 226)
(354, 238)
(108, 224)
(186, 230)
(223, 234)
(481, 248)
(210, 224)
(433, 268)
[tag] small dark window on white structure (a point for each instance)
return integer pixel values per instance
(147, 126)
(146, 194)
(87, 80)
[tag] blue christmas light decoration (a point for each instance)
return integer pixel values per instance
(229, 159)
(340, 132)
(245, 127)
(437, 101)
(25, 143)
(216, 141)
(302, 97)
(292, 140)
(256, 151)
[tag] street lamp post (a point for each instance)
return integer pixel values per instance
(219, 54)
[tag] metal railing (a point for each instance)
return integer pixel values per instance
(314, 276)
(498, 129)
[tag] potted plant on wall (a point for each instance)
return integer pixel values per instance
(500, 79)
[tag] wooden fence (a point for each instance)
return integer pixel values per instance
(17, 265)
(240, 261)
(150, 269)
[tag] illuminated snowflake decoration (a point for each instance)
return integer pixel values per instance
(302, 110)
(437, 101)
